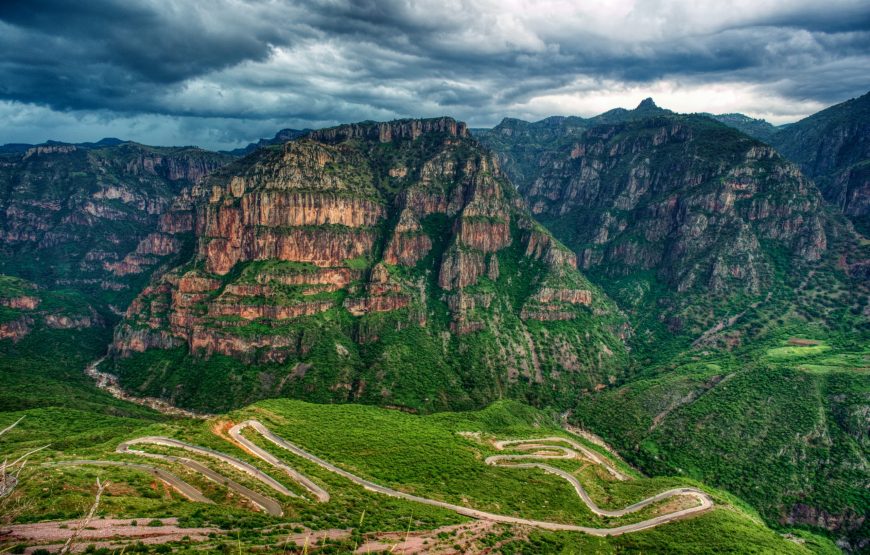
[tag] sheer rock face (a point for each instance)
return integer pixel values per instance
(695, 203)
(363, 233)
(298, 206)
(101, 214)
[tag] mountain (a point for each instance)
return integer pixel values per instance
(388, 263)
(833, 148)
(683, 220)
(96, 217)
(407, 265)
(758, 128)
(280, 137)
(519, 143)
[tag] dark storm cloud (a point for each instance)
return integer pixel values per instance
(195, 67)
(104, 53)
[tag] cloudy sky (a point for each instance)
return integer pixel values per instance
(221, 73)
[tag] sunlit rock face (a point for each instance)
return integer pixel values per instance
(379, 241)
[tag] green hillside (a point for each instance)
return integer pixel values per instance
(436, 456)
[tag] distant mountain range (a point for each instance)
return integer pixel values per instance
(280, 137)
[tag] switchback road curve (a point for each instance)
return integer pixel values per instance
(705, 502)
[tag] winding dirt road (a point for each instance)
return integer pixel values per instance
(542, 444)
(235, 433)
(109, 383)
(548, 448)
(705, 503)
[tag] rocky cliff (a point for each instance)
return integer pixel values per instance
(98, 217)
(832, 147)
(388, 263)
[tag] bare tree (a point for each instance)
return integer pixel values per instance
(67, 547)
(9, 472)
(10, 477)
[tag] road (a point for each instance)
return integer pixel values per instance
(541, 444)
(271, 506)
(268, 504)
(235, 433)
(587, 453)
(705, 502)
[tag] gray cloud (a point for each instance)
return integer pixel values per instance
(225, 71)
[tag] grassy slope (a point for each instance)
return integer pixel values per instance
(422, 454)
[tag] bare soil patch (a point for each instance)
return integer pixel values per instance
(802, 342)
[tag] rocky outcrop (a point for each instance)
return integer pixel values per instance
(848, 524)
(461, 268)
(409, 244)
(269, 212)
(271, 312)
(540, 245)
(408, 129)
(379, 303)
(75, 322)
(49, 149)
(22, 302)
(571, 296)
(185, 167)
(16, 329)
(553, 304)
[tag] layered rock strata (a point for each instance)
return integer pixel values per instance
(370, 233)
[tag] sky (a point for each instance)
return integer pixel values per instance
(222, 73)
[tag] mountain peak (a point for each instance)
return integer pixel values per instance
(647, 104)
